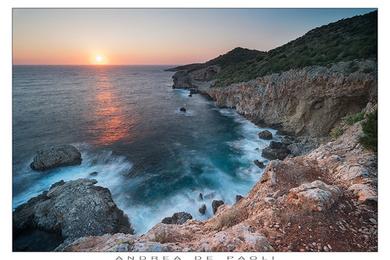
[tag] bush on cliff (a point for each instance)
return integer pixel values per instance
(369, 139)
(352, 119)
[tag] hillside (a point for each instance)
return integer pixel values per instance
(345, 40)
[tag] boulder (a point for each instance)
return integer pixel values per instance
(61, 155)
(314, 196)
(259, 164)
(178, 218)
(183, 109)
(266, 135)
(276, 150)
(215, 205)
(93, 174)
(202, 209)
(70, 209)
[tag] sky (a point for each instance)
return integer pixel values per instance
(156, 36)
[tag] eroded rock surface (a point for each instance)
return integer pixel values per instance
(62, 155)
(71, 209)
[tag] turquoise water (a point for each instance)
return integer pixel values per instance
(126, 122)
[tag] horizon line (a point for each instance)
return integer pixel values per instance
(100, 65)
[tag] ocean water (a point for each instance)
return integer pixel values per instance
(126, 122)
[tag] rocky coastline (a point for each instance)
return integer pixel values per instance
(317, 193)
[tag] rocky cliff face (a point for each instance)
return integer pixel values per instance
(308, 101)
(322, 201)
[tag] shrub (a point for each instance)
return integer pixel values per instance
(228, 219)
(352, 119)
(336, 132)
(369, 139)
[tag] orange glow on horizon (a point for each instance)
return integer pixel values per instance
(99, 59)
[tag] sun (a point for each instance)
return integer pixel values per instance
(99, 59)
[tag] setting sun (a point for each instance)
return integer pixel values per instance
(99, 59)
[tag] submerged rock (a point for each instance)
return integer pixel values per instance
(178, 218)
(267, 135)
(259, 164)
(70, 209)
(202, 209)
(93, 174)
(276, 150)
(216, 204)
(62, 155)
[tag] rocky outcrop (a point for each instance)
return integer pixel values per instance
(266, 135)
(314, 196)
(70, 209)
(62, 155)
(177, 218)
(259, 164)
(307, 101)
(216, 204)
(202, 209)
(305, 203)
(275, 150)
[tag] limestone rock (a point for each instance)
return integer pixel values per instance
(72, 209)
(314, 196)
(177, 218)
(62, 155)
(276, 150)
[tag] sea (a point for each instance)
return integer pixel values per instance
(127, 123)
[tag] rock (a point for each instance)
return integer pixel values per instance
(178, 218)
(183, 109)
(314, 196)
(266, 135)
(373, 221)
(305, 101)
(238, 198)
(269, 200)
(93, 174)
(365, 193)
(276, 150)
(62, 155)
(259, 164)
(215, 204)
(71, 209)
(201, 196)
(190, 95)
(202, 209)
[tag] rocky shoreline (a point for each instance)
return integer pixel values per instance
(323, 201)
(320, 199)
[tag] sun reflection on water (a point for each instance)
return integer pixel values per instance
(111, 123)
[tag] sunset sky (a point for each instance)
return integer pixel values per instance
(156, 36)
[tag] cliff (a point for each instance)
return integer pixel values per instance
(304, 87)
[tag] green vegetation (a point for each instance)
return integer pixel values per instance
(370, 132)
(336, 132)
(352, 119)
(344, 40)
